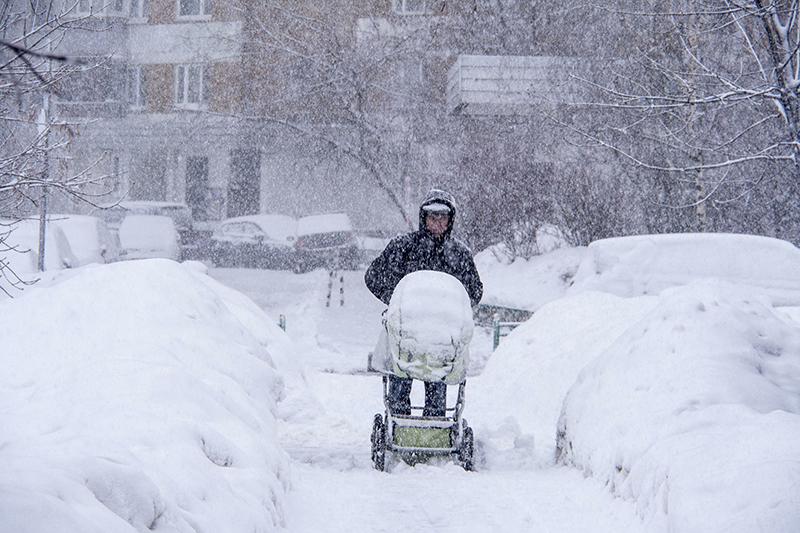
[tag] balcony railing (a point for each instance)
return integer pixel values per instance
(107, 109)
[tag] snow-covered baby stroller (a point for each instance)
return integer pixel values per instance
(428, 328)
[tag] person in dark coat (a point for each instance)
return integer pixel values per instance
(431, 247)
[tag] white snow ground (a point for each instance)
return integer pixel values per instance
(149, 396)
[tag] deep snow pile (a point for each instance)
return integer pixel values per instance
(135, 397)
(694, 411)
(527, 283)
(516, 401)
(648, 264)
(685, 400)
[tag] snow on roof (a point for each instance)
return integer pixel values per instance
(151, 203)
(177, 211)
(323, 223)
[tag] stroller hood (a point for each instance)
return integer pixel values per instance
(429, 327)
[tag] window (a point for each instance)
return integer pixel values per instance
(94, 84)
(138, 9)
(409, 7)
(194, 8)
(191, 86)
(137, 84)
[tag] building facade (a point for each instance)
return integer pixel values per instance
(210, 102)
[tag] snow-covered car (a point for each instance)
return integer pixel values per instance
(20, 246)
(149, 236)
(112, 215)
(89, 238)
(372, 243)
(192, 240)
(254, 241)
(326, 241)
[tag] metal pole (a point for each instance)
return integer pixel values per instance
(44, 131)
(330, 288)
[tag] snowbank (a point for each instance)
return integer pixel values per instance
(668, 371)
(527, 284)
(693, 412)
(530, 372)
(134, 399)
(296, 399)
(648, 264)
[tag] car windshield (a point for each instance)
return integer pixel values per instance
(277, 227)
(280, 228)
(179, 213)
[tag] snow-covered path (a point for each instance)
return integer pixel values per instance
(336, 489)
(334, 485)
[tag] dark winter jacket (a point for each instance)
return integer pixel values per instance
(421, 250)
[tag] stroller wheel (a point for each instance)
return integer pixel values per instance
(466, 451)
(378, 439)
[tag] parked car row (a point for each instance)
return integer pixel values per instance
(282, 242)
(77, 240)
(137, 230)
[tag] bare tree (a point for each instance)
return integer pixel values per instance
(701, 100)
(355, 88)
(31, 70)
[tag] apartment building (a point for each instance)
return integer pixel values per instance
(155, 106)
(189, 101)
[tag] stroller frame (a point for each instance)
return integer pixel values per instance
(416, 437)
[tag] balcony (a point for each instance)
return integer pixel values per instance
(506, 85)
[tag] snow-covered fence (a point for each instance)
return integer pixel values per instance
(501, 319)
(501, 329)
